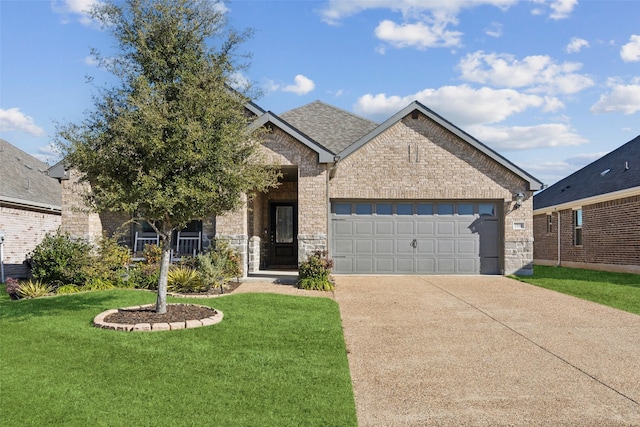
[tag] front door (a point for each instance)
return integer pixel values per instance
(283, 242)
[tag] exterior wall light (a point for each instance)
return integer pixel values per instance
(519, 198)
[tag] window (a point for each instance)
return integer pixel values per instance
(486, 209)
(343, 208)
(549, 223)
(425, 209)
(445, 209)
(404, 209)
(577, 225)
(383, 208)
(465, 209)
(363, 209)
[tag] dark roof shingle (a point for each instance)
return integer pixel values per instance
(331, 127)
(23, 179)
(618, 170)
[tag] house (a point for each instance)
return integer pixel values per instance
(30, 207)
(412, 195)
(591, 219)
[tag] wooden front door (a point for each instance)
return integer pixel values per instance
(283, 241)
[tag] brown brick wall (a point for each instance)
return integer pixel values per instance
(24, 230)
(611, 234)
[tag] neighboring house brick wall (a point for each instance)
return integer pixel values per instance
(24, 230)
(611, 237)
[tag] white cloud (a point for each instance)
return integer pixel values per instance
(536, 73)
(462, 104)
(419, 35)
(576, 44)
(91, 61)
(239, 81)
(494, 30)
(14, 120)
(624, 98)
(48, 154)
(630, 52)
(512, 138)
(424, 23)
(302, 85)
(78, 9)
(562, 8)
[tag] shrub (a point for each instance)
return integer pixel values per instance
(227, 258)
(98, 284)
(109, 261)
(67, 289)
(144, 276)
(34, 289)
(152, 254)
(12, 287)
(184, 279)
(211, 272)
(60, 258)
(315, 273)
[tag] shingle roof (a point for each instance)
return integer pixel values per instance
(333, 128)
(618, 170)
(23, 179)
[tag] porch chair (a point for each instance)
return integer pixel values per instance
(141, 240)
(188, 243)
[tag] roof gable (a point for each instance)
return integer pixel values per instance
(534, 184)
(23, 179)
(324, 155)
(330, 126)
(617, 171)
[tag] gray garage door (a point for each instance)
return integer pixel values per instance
(379, 237)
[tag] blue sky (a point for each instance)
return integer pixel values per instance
(551, 85)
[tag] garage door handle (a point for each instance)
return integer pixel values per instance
(414, 243)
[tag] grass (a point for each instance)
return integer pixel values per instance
(274, 360)
(618, 290)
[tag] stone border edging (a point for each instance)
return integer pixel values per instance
(99, 322)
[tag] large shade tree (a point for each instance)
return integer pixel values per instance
(169, 141)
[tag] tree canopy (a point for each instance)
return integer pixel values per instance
(169, 142)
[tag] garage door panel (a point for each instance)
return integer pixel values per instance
(384, 228)
(426, 246)
(404, 265)
(437, 241)
(467, 247)
(425, 228)
(364, 247)
(446, 228)
(364, 265)
(343, 247)
(445, 246)
(404, 227)
(385, 265)
(364, 228)
(404, 246)
(385, 247)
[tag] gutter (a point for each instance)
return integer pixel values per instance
(29, 204)
(620, 194)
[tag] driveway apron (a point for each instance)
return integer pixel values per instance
(486, 351)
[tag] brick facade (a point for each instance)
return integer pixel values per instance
(610, 236)
(24, 229)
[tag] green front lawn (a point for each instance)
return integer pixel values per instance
(619, 290)
(274, 360)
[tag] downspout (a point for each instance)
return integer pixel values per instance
(559, 258)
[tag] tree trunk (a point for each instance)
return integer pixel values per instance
(161, 303)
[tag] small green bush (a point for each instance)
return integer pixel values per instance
(34, 289)
(184, 279)
(98, 284)
(144, 276)
(59, 258)
(67, 289)
(315, 273)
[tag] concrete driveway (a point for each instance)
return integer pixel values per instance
(486, 351)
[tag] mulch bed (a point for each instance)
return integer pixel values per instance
(175, 312)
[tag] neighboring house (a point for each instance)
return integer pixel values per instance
(591, 219)
(30, 206)
(413, 195)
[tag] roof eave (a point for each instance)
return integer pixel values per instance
(600, 198)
